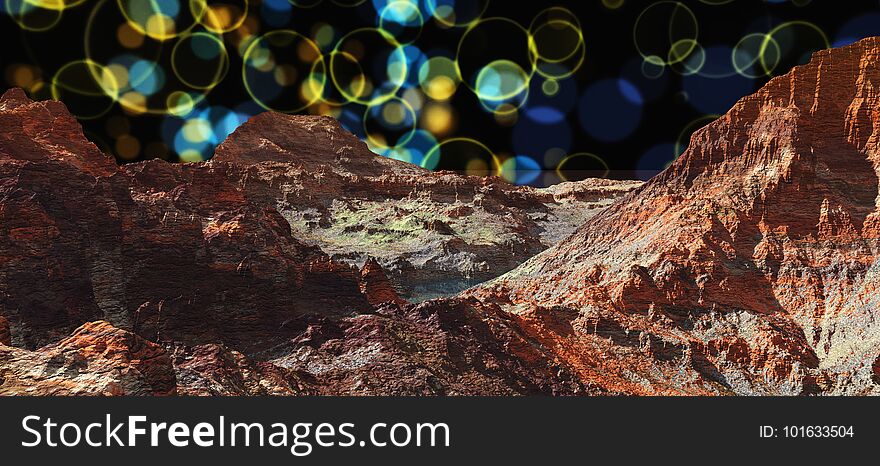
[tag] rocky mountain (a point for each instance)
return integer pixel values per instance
(205, 267)
(435, 234)
(748, 267)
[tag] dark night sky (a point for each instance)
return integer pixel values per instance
(652, 72)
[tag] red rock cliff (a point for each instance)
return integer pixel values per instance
(751, 261)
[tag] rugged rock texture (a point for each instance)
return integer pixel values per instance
(96, 359)
(199, 260)
(435, 233)
(5, 335)
(376, 286)
(749, 266)
(216, 370)
(442, 347)
(170, 252)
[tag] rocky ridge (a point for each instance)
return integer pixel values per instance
(196, 263)
(96, 359)
(434, 233)
(749, 266)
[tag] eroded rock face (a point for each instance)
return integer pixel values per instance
(96, 359)
(170, 252)
(199, 260)
(435, 233)
(376, 286)
(442, 347)
(5, 335)
(215, 370)
(46, 132)
(749, 266)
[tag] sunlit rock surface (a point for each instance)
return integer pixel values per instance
(96, 359)
(749, 266)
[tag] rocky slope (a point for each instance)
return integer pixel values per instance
(749, 266)
(435, 234)
(96, 359)
(198, 265)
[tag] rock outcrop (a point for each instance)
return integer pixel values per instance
(442, 347)
(376, 286)
(170, 252)
(5, 335)
(96, 359)
(749, 266)
(216, 370)
(434, 233)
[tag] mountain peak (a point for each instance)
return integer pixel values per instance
(807, 142)
(13, 98)
(835, 97)
(38, 131)
(307, 140)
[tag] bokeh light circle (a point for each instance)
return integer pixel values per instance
(488, 55)
(59, 5)
(283, 71)
(469, 153)
(85, 96)
(402, 19)
(747, 54)
(796, 42)
(611, 110)
(456, 13)
(147, 83)
(33, 17)
(160, 19)
(661, 26)
(349, 74)
(556, 43)
(582, 165)
(199, 60)
(220, 16)
(439, 78)
(390, 124)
